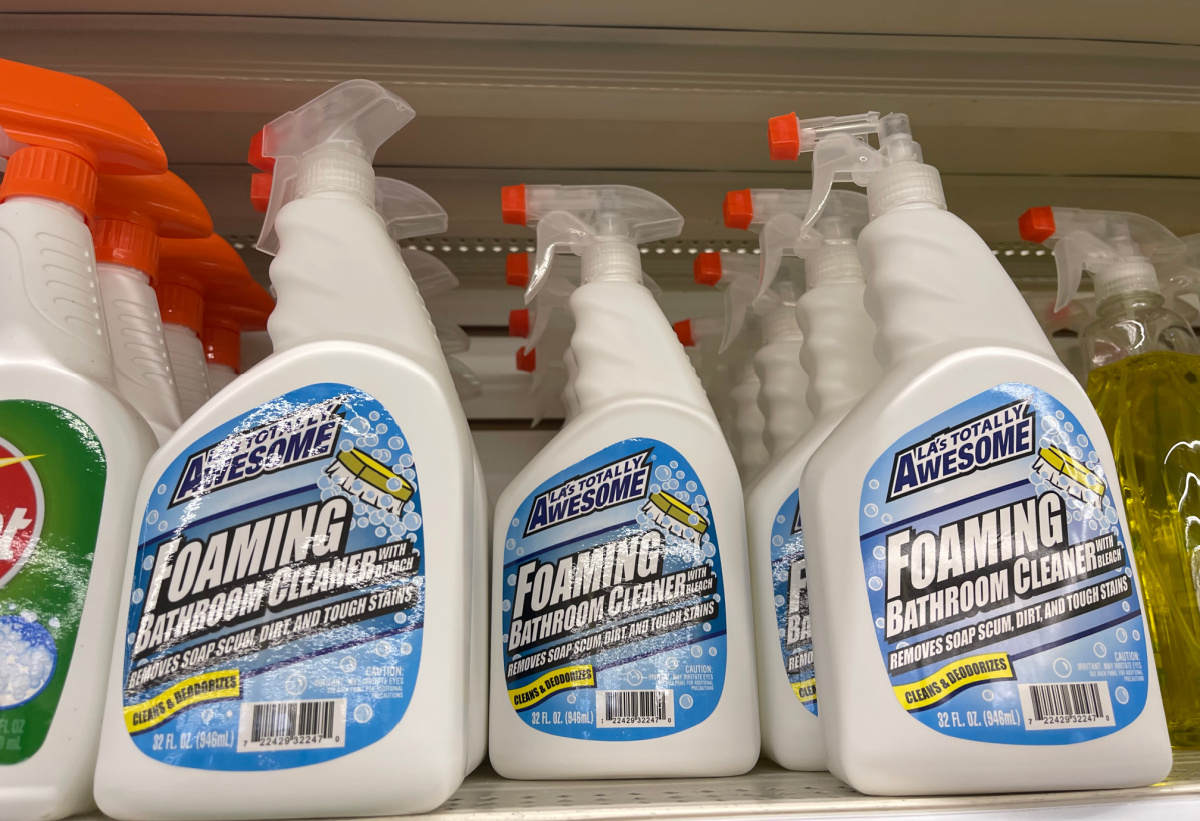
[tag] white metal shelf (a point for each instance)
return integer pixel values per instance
(770, 792)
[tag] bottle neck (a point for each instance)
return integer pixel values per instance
(837, 352)
(1119, 304)
(339, 277)
(624, 348)
(50, 302)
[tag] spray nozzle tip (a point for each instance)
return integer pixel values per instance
(683, 330)
(512, 204)
(260, 190)
(516, 270)
(739, 209)
(706, 270)
(527, 360)
(1037, 224)
(518, 323)
(256, 157)
(784, 135)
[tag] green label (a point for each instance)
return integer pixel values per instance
(52, 473)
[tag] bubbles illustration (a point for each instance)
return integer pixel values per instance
(27, 660)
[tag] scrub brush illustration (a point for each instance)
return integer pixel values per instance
(376, 483)
(668, 512)
(1068, 474)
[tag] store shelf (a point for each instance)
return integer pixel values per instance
(770, 792)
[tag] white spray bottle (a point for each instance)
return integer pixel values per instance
(131, 214)
(839, 367)
(622, 640)
(407, 212)
(957, 615)
(299, 578)
(71, 449)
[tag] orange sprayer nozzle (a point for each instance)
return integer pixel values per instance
(189, 269)
(59, 132)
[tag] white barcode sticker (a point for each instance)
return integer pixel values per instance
(271, 725)
(637, 708)
(1053, 706)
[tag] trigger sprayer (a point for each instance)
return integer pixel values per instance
(1118, 249)
(326, 145)
(603, 225)
(546, 327)
(894, 174)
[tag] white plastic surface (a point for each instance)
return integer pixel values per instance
(139, 348)
(950, 325)
(839, 365)
(219, 376)
(189, 367)
(748, 423)
(56, 351)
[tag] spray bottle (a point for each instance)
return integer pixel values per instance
(639, 485)
(228, 313)
(71, 449)
(433, 277)
(839, 366)
(338, 472)
(929, 509)
(131, 214)
(1064, 328)
(546, 327)
(1143, 370)
(776, 363)
(701, 339)
(189, 270)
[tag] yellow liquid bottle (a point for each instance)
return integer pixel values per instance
(1149, 403)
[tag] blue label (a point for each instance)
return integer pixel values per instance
(999, 576)
(614, 628)
(789, 578)
(278, 601)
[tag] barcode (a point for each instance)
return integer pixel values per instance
(644, 708)
(271, 724)
(1051, 706)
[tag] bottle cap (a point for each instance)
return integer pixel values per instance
(188, 269)
(430, 274)
(133, 212)
(228, 312)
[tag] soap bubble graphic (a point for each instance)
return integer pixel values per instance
(27, 660)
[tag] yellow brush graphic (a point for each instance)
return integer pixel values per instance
(1068, 474)
(373, 480)
(669, 512)
(13, 460)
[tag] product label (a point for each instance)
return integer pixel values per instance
(999, 575)
(52, 473)
(789, 577)
(278, 601)
(614, 628)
